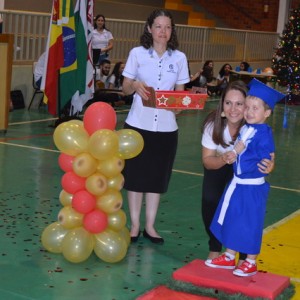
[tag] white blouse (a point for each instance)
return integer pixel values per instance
(207, 140)
(161, 73)
(100, 39)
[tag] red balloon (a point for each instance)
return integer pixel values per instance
(65, 162)
(72, 183)
(95, 221)
(83, 202)
(99, 115)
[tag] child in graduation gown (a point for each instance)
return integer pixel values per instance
(239, 219)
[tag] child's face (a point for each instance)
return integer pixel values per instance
(255, 111)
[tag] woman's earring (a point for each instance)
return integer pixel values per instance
(223, 114)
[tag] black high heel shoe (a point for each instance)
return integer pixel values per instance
(134, 239)
(154, 240)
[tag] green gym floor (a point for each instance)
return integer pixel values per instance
(30, 186)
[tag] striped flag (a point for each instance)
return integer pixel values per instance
(54, 59)
(68, 56)
(68, 72)
(85, 78)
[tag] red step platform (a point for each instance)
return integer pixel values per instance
(262, 284)
(163, 293)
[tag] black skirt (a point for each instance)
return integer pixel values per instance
(150, 171)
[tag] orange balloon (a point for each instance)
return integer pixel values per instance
(83, 202)
(269, 71)
(99, 115)
(65, 162)
(72, 183)
(95, 221)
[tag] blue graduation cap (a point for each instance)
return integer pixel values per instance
(264, 92)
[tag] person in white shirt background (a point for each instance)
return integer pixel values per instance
(102, 40)
(158, 64)
(39, 69)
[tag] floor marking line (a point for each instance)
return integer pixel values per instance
(272, 186)
(26, 137)
(187, 172)
(174, 170)
(32, 121)
(282, 221)
(53, 119)
(29, 147)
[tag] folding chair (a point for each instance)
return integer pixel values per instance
(36, 91)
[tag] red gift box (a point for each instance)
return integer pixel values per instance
(176, 99)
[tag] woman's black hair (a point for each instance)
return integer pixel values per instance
(96, 18)
(146, 39)
(119, 77)
(246, 65)
(222, 70)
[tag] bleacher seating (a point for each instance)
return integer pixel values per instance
(182, 13)
(127, 9)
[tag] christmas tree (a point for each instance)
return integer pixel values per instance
(286, 60)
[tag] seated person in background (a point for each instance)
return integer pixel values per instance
(115, 81)
(102, 74)
(244, 66)
(102, 85)
(203, 78)
(38, 70)
(223, 78)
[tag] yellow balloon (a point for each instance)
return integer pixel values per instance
(124, 232)
(110, 246)
(96, 184)
(77, 245)
(103, 144)
(65, 198)
(111, 167)
(84, 164)
(53, 236)
(71, 138)
(110, 202)
(131, 143)
(69, 218)
(116, 182)
(117, 220)
(78, 122)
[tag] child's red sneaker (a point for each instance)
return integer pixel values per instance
(222, 262)
(245, 269)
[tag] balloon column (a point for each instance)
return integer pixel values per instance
(92, 158)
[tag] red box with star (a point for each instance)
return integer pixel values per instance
(194, 99)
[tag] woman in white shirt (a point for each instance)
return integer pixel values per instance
(102, 40)
(156, 63)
